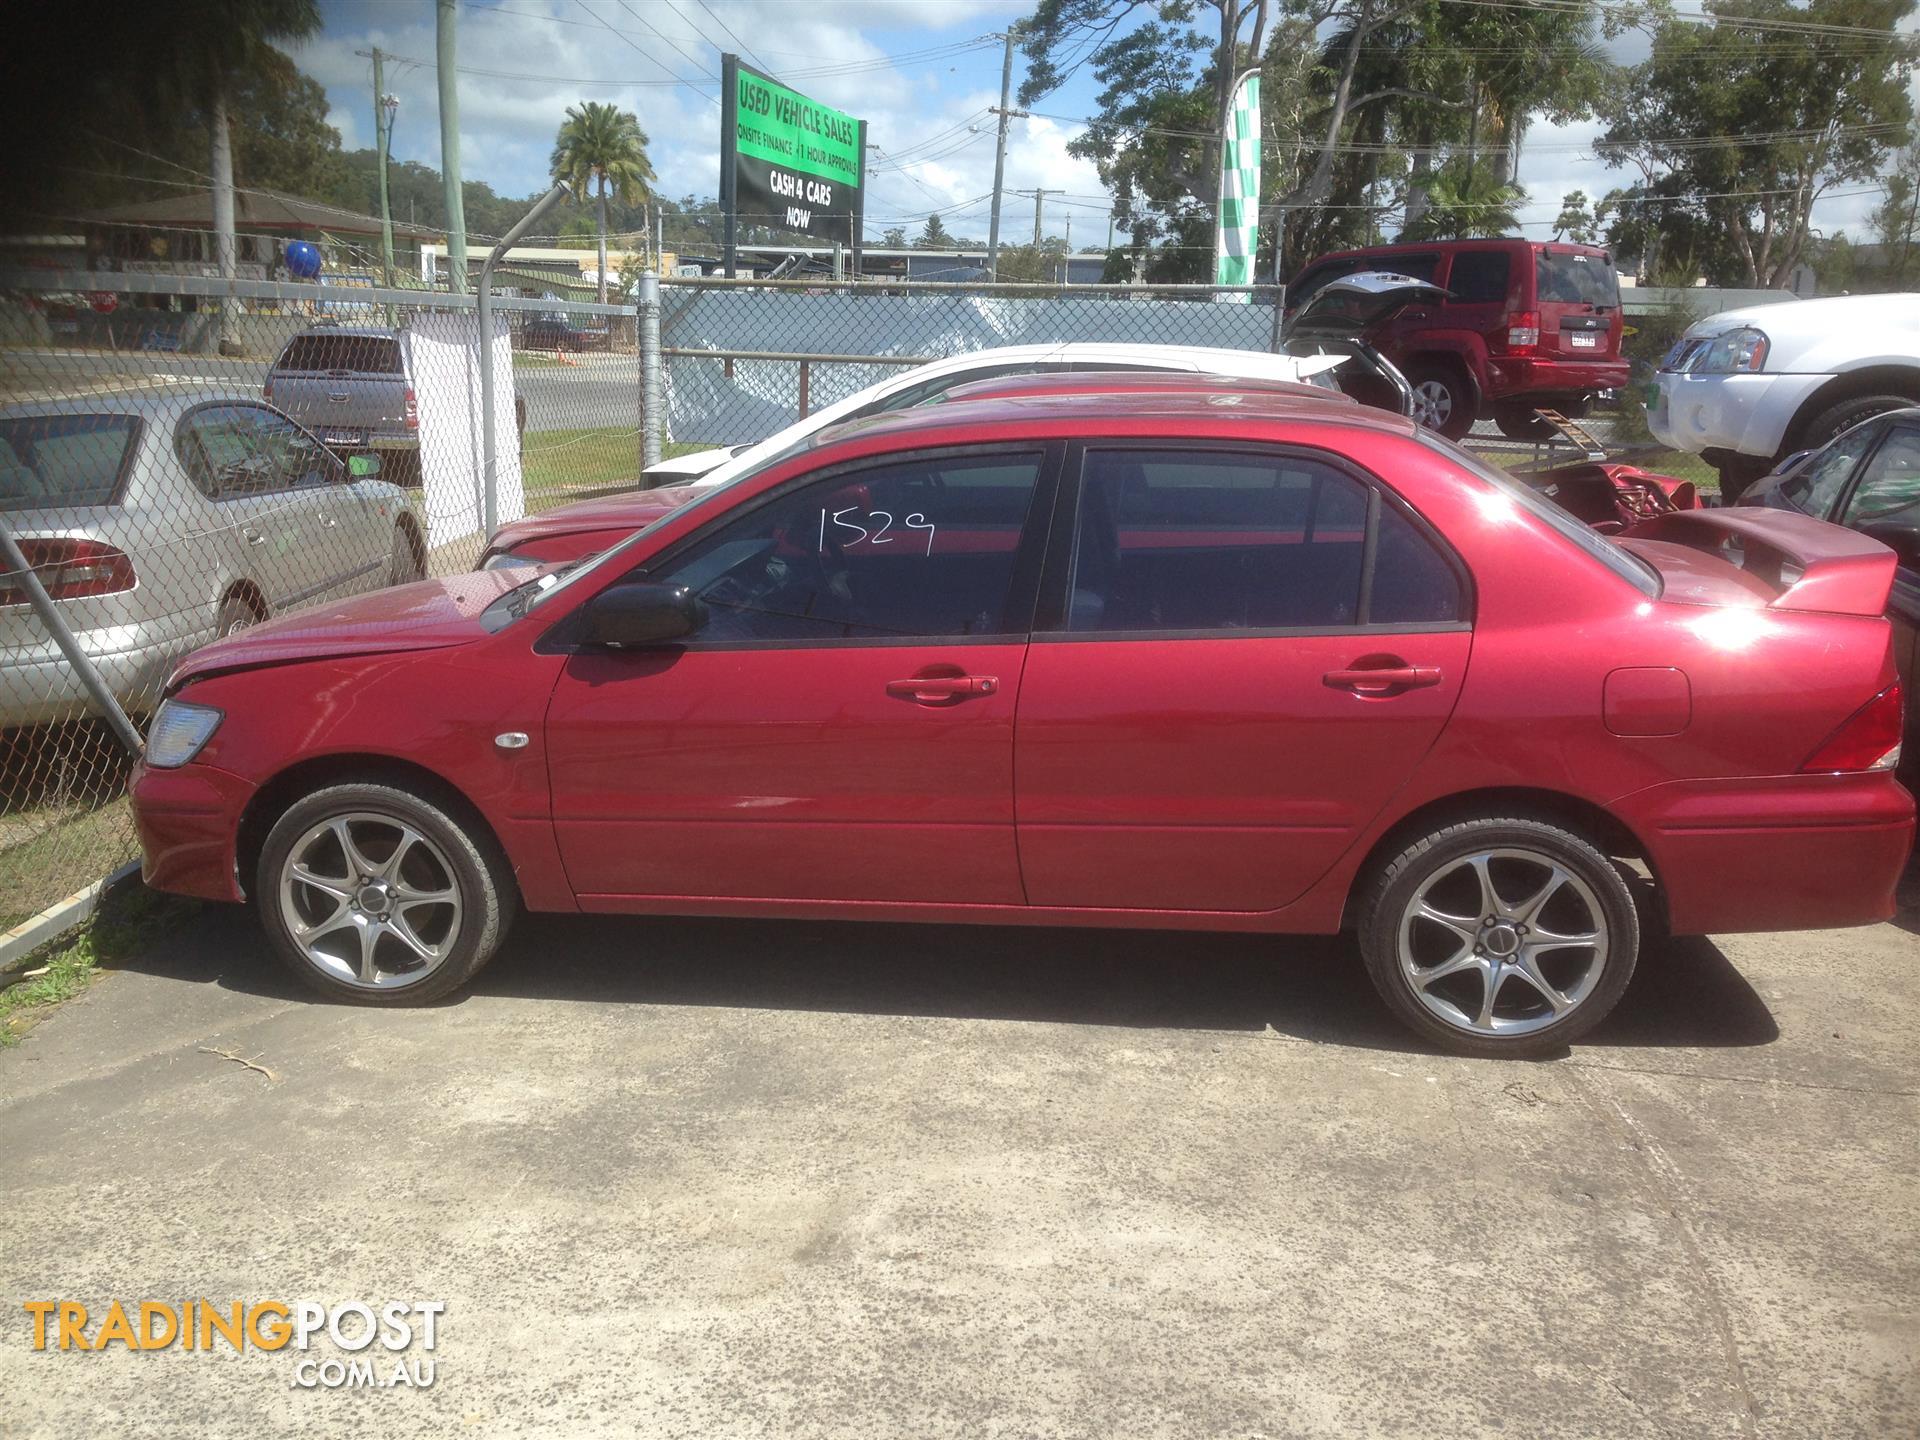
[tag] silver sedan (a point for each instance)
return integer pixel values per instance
(158, 523)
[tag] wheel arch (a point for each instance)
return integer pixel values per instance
(1868, 379)
(410, 527)
(272, 800)
(1606, 830)
(248, 591)
(1457, 358)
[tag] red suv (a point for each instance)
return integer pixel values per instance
(1528, 323)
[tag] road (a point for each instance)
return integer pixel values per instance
(705, 1178)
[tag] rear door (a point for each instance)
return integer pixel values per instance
(1242, 652)
(1577, 296)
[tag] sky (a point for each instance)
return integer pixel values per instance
(922, 73)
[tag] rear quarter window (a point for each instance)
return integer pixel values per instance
(1479, 277)
(52, 460)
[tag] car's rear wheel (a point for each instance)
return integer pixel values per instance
(379, 896)
(1442, 399)
(1500, 937)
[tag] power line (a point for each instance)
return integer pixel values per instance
(727, 30)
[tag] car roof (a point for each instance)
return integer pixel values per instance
(1082, 414)
(158, 404)
(371, 332)
(1140, 382)
(1493, 242)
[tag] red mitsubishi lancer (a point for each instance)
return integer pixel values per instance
(1279, 665)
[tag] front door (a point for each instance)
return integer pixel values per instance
(1245, 654)
(842, 728)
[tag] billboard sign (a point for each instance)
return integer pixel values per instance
(788, 162)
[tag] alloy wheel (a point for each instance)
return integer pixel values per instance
(1432, 403)
(1503, 942)
(370, 901)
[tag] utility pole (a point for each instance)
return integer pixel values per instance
(444, 56)
(1006, 113)
(1039, 198)
(383, 107)
(1064, 259)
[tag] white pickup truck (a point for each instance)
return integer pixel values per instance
(1746, 388)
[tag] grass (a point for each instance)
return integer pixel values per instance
(126, 923)
(523, 361)
(71, 852)
(562, 465)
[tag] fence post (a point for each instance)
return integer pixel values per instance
(483, 304)
(652, 382)
(56, 624)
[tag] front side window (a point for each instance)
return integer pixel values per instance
(1178, 540)
(237, 450)
(1821, 479)
(1889, 488)
(922, 547)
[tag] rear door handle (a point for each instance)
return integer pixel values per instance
(943, 689)
(1386, 678)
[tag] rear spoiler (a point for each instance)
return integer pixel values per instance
(1811, 564)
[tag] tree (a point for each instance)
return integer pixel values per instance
(1744, 131)
(894, 237)
(601, 148)
(1576, 221)
(935, 236)
(1033, 264)
(192, 58)
(1896, 224)
(1467, 202)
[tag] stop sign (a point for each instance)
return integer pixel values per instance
(104, 301)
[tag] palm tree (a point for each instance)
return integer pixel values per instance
(191, 56)
(603, 146)
(1465, 204)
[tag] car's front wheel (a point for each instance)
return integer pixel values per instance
(377, 895)
(1500, 937)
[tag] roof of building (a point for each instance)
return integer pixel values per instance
(256, 210)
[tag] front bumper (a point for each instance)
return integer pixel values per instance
(188, 822)
(1747, 414)
(1780, 852)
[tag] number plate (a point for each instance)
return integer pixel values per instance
(344, 437)
(1583, 339)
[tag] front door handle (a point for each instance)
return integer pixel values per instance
(254, 537)
(943, 689)
(1384, 680)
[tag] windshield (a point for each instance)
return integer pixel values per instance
(1635, 571)
(1566, 277)
(548, 586)
(63, 459)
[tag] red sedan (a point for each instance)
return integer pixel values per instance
(1280, 665)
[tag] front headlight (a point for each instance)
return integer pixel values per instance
(507, 560)
(178, 732)
(1742, 349)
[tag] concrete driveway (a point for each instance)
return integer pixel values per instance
(737, 1179)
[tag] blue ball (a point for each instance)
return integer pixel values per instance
(303, 259)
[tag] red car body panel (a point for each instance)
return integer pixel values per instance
(567, 532)
(1210, 783)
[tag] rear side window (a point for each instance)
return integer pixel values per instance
(63, 459)
(1479, 277)
(1569, 278)
(1310, 281)
(1420, 267)
(1178, 540)
(363, 354)
(1890, 488)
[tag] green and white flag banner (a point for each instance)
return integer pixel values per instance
(1239, 232)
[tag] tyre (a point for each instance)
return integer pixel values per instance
(1523, 425)
(1845, 415)
(1442, 399)
(1500, 938)
(236, 613)
(378, 896)
(408, 562)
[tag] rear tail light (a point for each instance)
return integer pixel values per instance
(69, 570)
(413, 410)
(1521, 334)
(1869, 740)
(266, 391)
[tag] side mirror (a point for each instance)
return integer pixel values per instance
(643, 613)
(363, 467)
(1901, 537)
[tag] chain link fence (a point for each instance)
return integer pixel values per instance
(181, 459)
